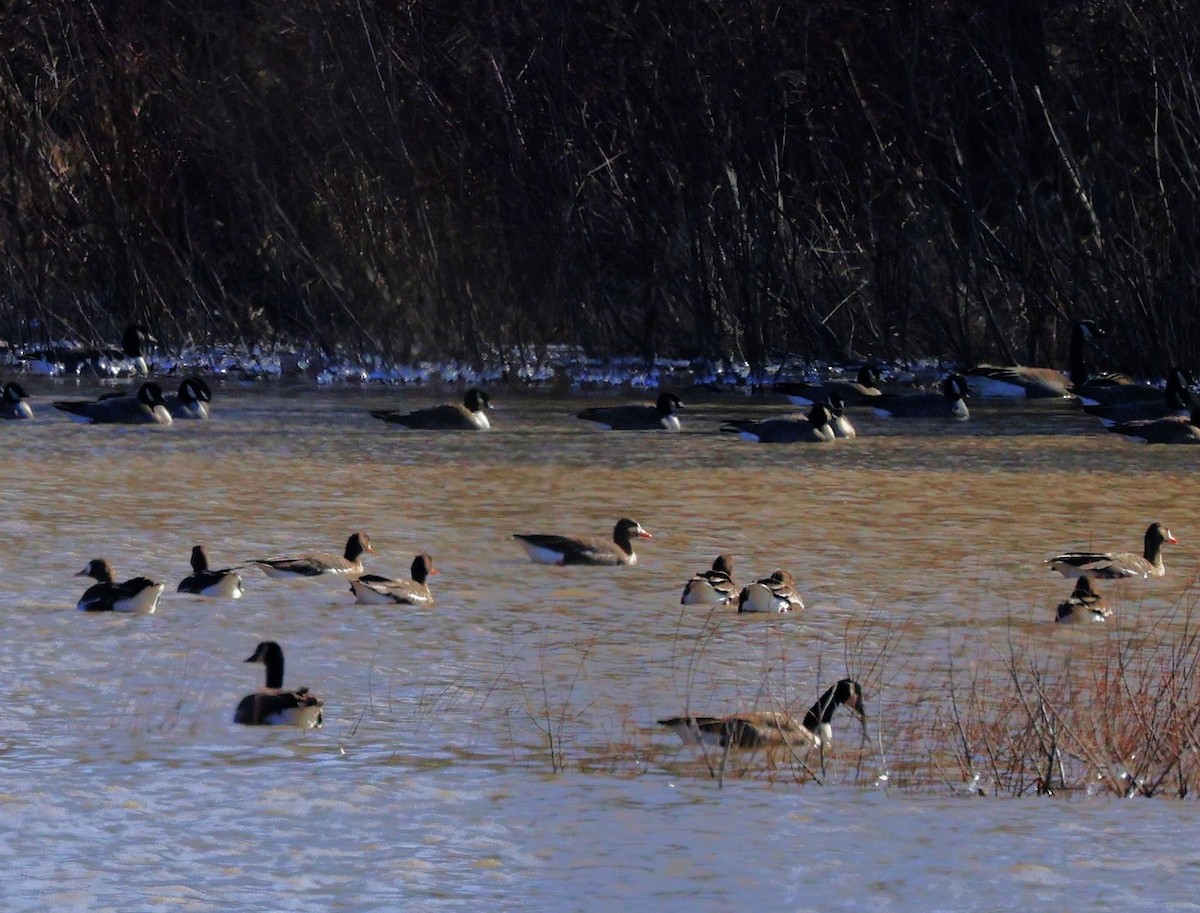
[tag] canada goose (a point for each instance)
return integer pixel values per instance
(814, 429)
(470, 415)
(348, 564)
(138, 594)
(1032, 382)
(146, 408)
(552, 549)
(1111, 565)
(857, 392)
(372, 589)
(950, 403)
(73, 359)
(772, 729)
(658, 417)
(223, 584)
(1084, 604)
(1171, 429)
(13, 403)
(713, 587)
(776, 593)
(273, 706)
(839, 421)
(192, 399)
(1130, 402)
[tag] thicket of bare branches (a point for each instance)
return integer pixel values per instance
(709, 178)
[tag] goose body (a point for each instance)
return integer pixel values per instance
(148, 407)
(1172, 429)
(273, 706)
(659, 417)
(348, 564)
(1115, 565)
(469, 415)
(223, 584)
(776, 593)
(815, 429)
(714, 587)
(14, 402)
(1084, 605)
(1132, 402)
(951, 402)
(857, 392)
(551, 549)
(1035, 382)
(138, 595)
(772, 729)
(371, 589)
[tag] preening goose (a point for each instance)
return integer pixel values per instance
(13, 403)
(714, 587)
(1111, 565)
(772, 729)
(839, 421)
(776, 593)
(1084, 604)
(371, 589)
(272, 706)
(551, 549)
(192, 399)
(815, 429)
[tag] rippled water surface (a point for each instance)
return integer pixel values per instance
(499, 749)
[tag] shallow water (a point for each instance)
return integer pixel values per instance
(499, 748)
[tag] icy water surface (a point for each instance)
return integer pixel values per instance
(499, 749)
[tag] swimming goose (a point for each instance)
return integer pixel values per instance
(816, 428)
(1171, 429)
(146, 408)
(13, 403)
(950, 403)
(470, 415)
(223, 584)
(1085, 604)
(348, 564)
(857, 392)
(840, 423)
(273, 706)
(1111, 565)
(1139, 401)
(1031, 382)
(138, 594)
(192, 399)
(551, 549)
(776, 593)
(713, 587)
(637, 417)
(772, 729)
(371, 589)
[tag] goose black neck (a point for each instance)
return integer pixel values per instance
(199, 560)
(274, 663)
(822, 710)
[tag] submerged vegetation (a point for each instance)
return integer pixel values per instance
(710, 180)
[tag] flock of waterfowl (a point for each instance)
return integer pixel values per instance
(1166, 416)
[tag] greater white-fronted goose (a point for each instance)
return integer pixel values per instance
(551, 549)
(1112, 565)
(273, 706)
(772, 728)
(660, 416)
(138, 594)
(371, 589)
(857, 392)
(146, 408)
(838, 420)
(192, 399)
(714, 587)
(1084, 604)
(1173, 429)
(950, 403)
(469, 415)
(348, 564)
(1034, 382)
(776, 593)
(223, 584)
(13, 404)
(815, 429)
